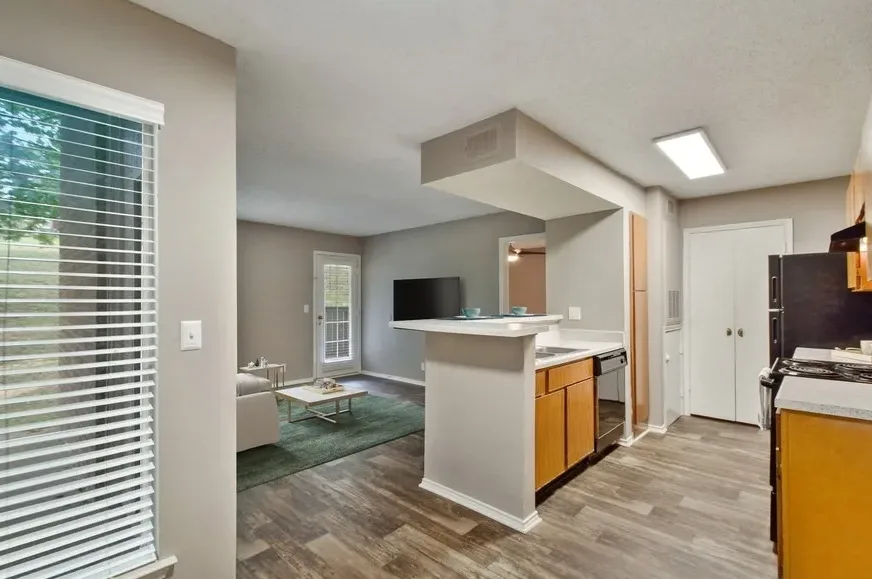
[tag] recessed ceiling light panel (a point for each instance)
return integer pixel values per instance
(692, 152)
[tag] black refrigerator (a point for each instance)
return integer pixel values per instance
(810, 305)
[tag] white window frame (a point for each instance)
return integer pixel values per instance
(53, 85)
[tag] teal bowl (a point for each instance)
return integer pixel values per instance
(470, 312)
(519, 310)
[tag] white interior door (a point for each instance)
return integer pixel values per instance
(337, 314)
(752, 248)
(672, 383)
(711, 347)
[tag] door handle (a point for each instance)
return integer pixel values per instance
(729, 331)
(774, 330)
(774, 288)
(741, 332)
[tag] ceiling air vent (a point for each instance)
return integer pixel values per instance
(481, 144)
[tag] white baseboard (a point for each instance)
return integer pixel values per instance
(512, 522)
(628, 442)
(392, 377)
(657, 429)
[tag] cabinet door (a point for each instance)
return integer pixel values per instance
(826, 506)
(563, 376)
(579, 421)
(640, 360)
(639, 252)
(550, 437)
(541, 382)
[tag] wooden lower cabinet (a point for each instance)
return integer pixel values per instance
(825, 466)
(541, 382)
(562, 376)
(550, 437)
(579, 421)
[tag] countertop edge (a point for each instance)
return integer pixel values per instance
(468, 329)
(826, 409)
(560, 359)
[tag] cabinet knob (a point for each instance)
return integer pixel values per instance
(741, 332)
(729, 331)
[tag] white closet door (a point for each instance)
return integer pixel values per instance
(753, 246)
(711, 352)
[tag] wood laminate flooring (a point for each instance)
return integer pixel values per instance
(692, 503)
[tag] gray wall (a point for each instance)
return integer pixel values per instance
(585, 268)
(275, 268)
(467, 248)
(125, 47)
(817, 209)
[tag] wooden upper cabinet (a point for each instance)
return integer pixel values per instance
(579, 421)
(550, 437)
(859, 190)
(639, 252)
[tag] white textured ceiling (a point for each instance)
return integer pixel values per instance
(336, 95)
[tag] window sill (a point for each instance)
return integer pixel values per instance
(158, 570)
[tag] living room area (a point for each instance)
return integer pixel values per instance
(315, 304)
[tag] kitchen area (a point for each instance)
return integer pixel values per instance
(819, 387)
(518, 406)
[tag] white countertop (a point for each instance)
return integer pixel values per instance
(832, 397)
(496, 327)
(579, 340)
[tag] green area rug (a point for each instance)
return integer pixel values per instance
(305, 444)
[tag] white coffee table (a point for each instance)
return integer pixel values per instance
(307, 398)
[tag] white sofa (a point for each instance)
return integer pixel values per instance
(257, 415)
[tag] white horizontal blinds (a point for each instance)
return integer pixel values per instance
(79, 345)
(337, 315)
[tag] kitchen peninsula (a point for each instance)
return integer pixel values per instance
(480, 410)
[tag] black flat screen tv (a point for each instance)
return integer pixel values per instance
(422, 299)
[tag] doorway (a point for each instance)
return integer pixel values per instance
(726, 342)
(522, 273)
(337, 314)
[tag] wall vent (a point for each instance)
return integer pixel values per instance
(481, 144)
(674, 304)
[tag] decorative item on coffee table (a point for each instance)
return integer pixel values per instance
(325, 386)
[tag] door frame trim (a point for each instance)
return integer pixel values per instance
(355, 328)
(786, 223)
(503, 264)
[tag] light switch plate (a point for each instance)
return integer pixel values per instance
(192, 335)
(574, 313)
(306, 309)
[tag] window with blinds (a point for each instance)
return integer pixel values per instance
(338, 297)
(79, 340)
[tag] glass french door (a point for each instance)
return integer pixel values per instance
(337, 314)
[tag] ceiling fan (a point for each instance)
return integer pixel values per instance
(515, 253)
